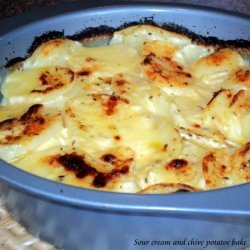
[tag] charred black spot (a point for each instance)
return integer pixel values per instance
(61, 177)
(246, 164)
(236, 97)
(83, 73)
(182, 191)
(44, 91)
(73, 162)
(215, 94)
(39, 120)
(112, 102)
(120, 82)
(223, 167)
(109, 158)
(118, 172)
(147, 60)
(85, 171)
(100, 180)
(76, 163)
(7, 124)
(196, 125)
(165, 147)
(31, 111)
(177, 164)
(117, 138)
(43, 78)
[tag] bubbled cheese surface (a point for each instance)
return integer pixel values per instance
(151, 112)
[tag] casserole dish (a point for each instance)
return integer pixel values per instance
(76, 218)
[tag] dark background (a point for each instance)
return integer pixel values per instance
(14, 7)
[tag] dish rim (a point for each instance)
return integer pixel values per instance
(10, 24)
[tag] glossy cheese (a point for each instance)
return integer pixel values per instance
(151, 112)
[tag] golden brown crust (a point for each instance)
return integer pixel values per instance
(110, 102)
(31, 123)
(218, 58)
(215, 172)
(162, 109)
(165, 71)
(241, 164)
(242, 76)
(51, 80)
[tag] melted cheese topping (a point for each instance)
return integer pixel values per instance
(151, 112)
(38, 85)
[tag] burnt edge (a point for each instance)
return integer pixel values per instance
(45, 37)
(92, 32)
(13, 61)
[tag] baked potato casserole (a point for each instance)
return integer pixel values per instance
(152, 111)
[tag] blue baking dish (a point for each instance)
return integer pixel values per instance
(74, 218)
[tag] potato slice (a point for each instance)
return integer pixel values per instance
(34, 129)
(229, 112)
(102, 122)
(39, 85)
(52, 53)
(214, 69)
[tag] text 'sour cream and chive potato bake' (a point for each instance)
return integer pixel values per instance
(152, 111)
